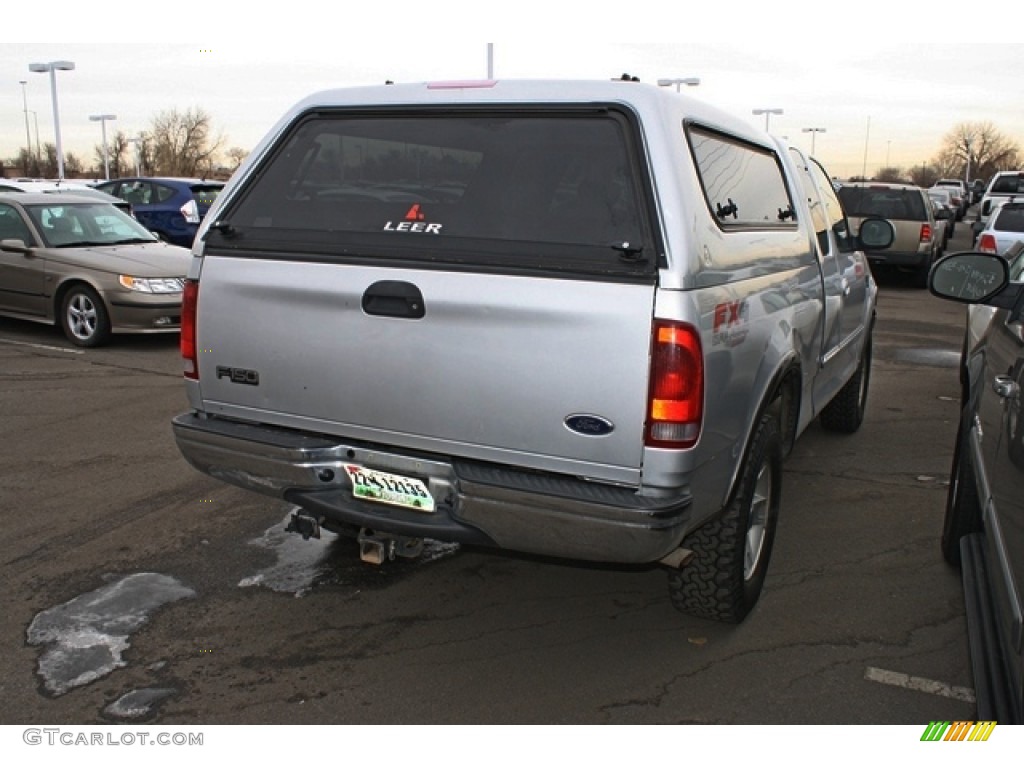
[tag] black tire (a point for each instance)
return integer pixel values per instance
(84, 317)
(724, 579)
(921, 274)
(963, 508)
(846, 411)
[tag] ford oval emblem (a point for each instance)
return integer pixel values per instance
(588, 424)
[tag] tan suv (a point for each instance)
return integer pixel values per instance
(919, 238)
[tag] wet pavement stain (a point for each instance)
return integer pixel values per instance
(937, 358)
(332, 559)
(139, 704)
(86, 636)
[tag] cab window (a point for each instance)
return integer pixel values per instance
(743, 183)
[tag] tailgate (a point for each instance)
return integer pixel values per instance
(492, 369)
(450, 279)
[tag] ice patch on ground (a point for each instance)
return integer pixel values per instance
(303, 563)
(299, 561)
(86, 636)
(138, 704)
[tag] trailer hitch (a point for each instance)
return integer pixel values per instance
(377, 547)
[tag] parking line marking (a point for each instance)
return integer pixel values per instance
(922, 684)
(42, 346)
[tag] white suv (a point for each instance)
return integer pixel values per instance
(1004, 187)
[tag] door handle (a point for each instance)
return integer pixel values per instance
(394, 298)
(1005, 386)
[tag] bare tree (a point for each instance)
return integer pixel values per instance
(48, 162)
(924, 175)
(235, 157)
(72, 166)
(979, 144)
(890, 174)
(182, 143)
(29, 162)
(117, 147)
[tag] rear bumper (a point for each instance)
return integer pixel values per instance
(476, 503)
(900, 258)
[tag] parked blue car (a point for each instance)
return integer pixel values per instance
(170, 208)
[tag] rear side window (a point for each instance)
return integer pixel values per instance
(163, 193)
(521, 188)
(205, 194)
(1010, 219)
(743, 184)
(826, 210)
(889, 203)
(1008, 184)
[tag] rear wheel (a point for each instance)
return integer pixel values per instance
(921, 274)
(846, 411)
(724, 579)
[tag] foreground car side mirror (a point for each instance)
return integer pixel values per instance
(875, 234)
(972, 277)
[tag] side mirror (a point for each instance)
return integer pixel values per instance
(876, 234)
(970, 277)
(15, 246)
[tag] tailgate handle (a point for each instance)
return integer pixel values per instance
(394, 298)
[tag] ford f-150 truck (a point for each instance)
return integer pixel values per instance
(577, 319)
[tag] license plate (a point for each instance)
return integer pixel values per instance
(385, 488)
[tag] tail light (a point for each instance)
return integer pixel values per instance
(987, 243)
(189, 301)
(676, 401)
(190, 211)
(926, 233)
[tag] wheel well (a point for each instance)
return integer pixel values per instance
(62, 290)
(783, 401)
(787, 398)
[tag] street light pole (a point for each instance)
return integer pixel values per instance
(39, 152)
(814, 133)
(103, 123)
(967, 172)
(678, 81)
(767, 112)
(52, 67)
(137, 142)
(28, 135)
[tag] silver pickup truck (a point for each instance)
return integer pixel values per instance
(578, 319)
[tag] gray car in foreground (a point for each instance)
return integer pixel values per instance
(984, 524)
(87, 266)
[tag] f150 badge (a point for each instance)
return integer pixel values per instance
(239, 375)
(414, 221)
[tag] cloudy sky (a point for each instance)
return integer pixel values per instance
(885, 93)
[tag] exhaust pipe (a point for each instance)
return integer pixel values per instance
(678, 558)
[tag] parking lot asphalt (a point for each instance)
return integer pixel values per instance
(126, 573)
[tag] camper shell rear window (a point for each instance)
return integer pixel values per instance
(512, 188)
